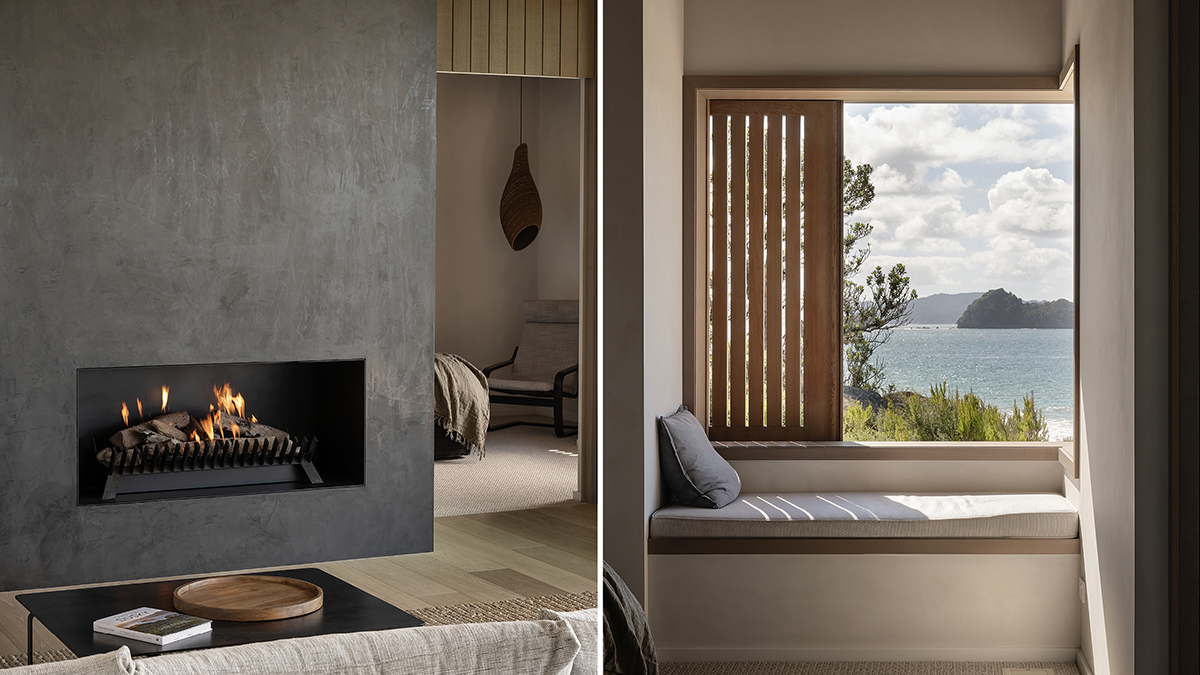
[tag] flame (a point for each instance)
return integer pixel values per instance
(229, 403)
(234, 426)
(141, 415)
(217, 422)
(125, 413)
(254, 419)
(195, 437)
(207, 425)
(166, 392)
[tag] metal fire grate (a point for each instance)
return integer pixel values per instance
(205, 464)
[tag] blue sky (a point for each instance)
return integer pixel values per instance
(969, 197)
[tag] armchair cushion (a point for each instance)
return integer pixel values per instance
(549, 344)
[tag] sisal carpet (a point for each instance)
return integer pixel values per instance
(523, 468)
(872, 668)
(520, 609)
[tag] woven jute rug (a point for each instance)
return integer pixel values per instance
(14, 660)
(520, 609)
(871, 668)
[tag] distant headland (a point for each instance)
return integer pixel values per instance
(1000, 309)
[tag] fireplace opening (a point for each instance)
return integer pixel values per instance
(184, 431)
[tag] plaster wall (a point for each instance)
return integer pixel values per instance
(641, 227)
(481, 281)
(873, 37)
(1123, 331)
(209, 182)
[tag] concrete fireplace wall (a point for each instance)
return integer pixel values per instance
(212, 181)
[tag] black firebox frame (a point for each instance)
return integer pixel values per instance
(308, 399)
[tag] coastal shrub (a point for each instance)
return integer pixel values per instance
(942, 417)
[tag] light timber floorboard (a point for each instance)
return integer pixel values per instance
(476, 558)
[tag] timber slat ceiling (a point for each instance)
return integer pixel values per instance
(546, 38)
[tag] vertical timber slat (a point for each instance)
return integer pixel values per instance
(754, 273)
(533, 37)
(551, 42)
(516, 36)
(445, 34)
(569, 46)
(774, 273)
(795, 273)
(587, 38)
(498, 37)
(461, 47)
(720, 266)
(823, 270)
(480, 25)
(737, 273)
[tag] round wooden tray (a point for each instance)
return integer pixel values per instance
(248, 597)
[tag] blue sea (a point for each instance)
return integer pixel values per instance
(999, 364)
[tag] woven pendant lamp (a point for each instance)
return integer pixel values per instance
(520, 204)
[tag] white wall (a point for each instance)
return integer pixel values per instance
(1123, 340)
(662, 123)
(873, 37)
(481, 281)
(642, 234)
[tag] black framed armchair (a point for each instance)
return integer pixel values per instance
(544, 366)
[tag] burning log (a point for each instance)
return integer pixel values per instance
(245, 428)
(161, 429)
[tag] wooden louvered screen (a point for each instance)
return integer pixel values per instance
(549, 38)
(775, 285)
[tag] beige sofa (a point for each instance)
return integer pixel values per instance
(555, 644)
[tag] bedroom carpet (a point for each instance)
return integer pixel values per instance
(871, 668)
(524, 468)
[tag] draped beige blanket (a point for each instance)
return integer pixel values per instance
(460, 400)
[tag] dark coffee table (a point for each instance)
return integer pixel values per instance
(69, 615)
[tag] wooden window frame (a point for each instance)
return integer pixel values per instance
(700, 91)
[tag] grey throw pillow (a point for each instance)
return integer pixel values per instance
(696, 474)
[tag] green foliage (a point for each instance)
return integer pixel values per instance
(941, 417)
(867, 320)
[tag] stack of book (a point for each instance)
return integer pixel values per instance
(158, 626)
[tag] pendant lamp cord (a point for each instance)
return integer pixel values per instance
(521, 117)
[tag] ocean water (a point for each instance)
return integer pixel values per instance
(999, 364)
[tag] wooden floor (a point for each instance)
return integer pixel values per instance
(478, 558)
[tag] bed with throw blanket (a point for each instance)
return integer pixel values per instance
(460, 406)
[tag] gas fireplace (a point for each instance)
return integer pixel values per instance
(166, 432)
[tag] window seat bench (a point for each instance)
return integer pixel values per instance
(1027, 523)
(884, 552)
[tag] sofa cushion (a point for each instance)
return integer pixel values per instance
(696, 474)
(519, 647)
(586, 624)
(112, 663)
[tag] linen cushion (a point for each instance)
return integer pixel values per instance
(519, 647)
(586, 624)
(875, 515)
(112, 663)
(696, 474)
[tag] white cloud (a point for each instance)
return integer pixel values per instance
(952, 208)
(1031, 202)
(912, 138)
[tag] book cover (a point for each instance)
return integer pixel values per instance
(147, 624)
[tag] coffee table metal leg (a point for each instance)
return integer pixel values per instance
(29, 639)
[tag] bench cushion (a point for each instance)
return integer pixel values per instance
(874, 515)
